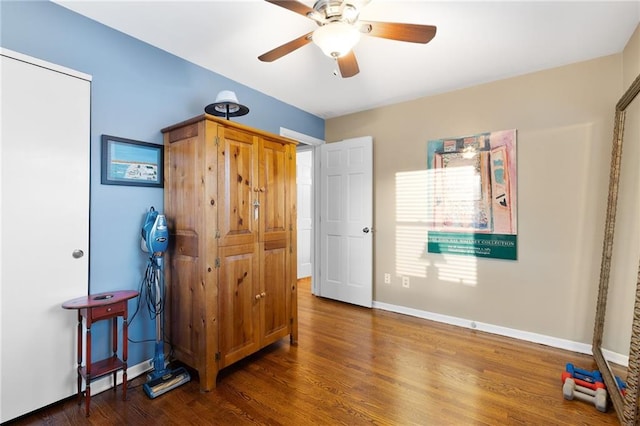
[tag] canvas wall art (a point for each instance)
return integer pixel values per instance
(472, 183)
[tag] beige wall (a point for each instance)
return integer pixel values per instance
(564, 119)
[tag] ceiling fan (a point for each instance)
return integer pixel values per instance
(339, 30)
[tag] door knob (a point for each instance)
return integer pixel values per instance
(77, 254)
(365, 230)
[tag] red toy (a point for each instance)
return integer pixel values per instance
(590, 385)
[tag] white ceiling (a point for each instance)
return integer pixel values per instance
(476, 42)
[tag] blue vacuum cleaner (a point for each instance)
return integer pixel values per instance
(155, 241)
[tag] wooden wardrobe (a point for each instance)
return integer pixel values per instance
(230, 202)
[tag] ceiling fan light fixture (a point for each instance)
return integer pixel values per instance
(336, 39)
(350, 13)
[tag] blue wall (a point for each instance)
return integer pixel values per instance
(137, 90)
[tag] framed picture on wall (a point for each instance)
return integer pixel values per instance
(132, 163)
(473, 199)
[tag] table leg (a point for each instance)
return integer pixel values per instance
(79, 357)
(114, 344)
(87, 392)
(125, 337)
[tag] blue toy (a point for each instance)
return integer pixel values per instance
(584, 375)
(621, 385)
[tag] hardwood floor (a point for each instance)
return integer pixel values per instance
(361, 366)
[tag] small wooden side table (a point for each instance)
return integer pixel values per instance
(96, 307)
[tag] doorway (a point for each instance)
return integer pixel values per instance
(304, 185)
(306, 196)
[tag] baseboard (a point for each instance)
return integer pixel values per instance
(490, 328)
(616, 358)
(105, 383)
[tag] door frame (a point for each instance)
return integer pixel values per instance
(310, 143)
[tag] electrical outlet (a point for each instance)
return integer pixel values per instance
(387, 278)
(405, 282)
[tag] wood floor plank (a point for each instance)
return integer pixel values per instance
(356, 366)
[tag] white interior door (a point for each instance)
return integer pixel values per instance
(44, 185)
(346, 218)
(304, 180)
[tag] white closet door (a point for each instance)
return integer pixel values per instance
(44, 188)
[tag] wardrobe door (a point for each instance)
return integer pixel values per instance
(44, 259)
(277, 163)
(238, 202)
(275, 315)
(239, 302)
(275, 166)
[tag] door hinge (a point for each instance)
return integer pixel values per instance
(217, 262)
(217, 356)
(217, 140)
(217, 236)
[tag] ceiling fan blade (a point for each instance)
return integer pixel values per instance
(413, 33)
(286, 48)
(348, 65)
(293, 6)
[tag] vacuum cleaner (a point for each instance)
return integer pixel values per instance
(155, 241)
